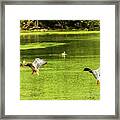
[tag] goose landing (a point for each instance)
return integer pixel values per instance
(95, 73)
(36, 64)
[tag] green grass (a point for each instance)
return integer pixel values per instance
(39, 45)
(57, 32)
(60, 79)
(63, 81)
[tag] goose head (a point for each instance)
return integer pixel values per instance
(88, 69)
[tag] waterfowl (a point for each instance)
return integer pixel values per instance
(64, 54)
(36, 64)
(95, 73)
(22, 63)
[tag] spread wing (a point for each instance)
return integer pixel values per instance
(37, 63)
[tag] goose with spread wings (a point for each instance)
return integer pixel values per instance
(35, 65)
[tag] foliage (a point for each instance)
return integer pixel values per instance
(45, 25)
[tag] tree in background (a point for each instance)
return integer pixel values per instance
(39, 25)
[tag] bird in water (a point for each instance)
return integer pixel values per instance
(95, 73)
(64, 54)
(35, 65)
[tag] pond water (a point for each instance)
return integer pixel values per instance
(75, 46)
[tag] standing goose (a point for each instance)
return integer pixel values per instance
(36, 64)
(95, 73)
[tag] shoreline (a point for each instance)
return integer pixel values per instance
(57, 32)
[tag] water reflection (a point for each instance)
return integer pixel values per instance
(77, 46)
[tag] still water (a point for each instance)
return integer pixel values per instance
(75, 46)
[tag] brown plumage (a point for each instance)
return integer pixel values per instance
(35, 65)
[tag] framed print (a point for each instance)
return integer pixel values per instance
(60, 60)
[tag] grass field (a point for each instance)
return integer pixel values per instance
(61, 78)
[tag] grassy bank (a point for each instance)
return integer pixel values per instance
(39, 45)
(57, 32)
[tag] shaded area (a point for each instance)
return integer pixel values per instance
(73, 49)
(33, 38)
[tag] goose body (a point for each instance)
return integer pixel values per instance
(64, 54)
(36, 64)
(95, 73)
